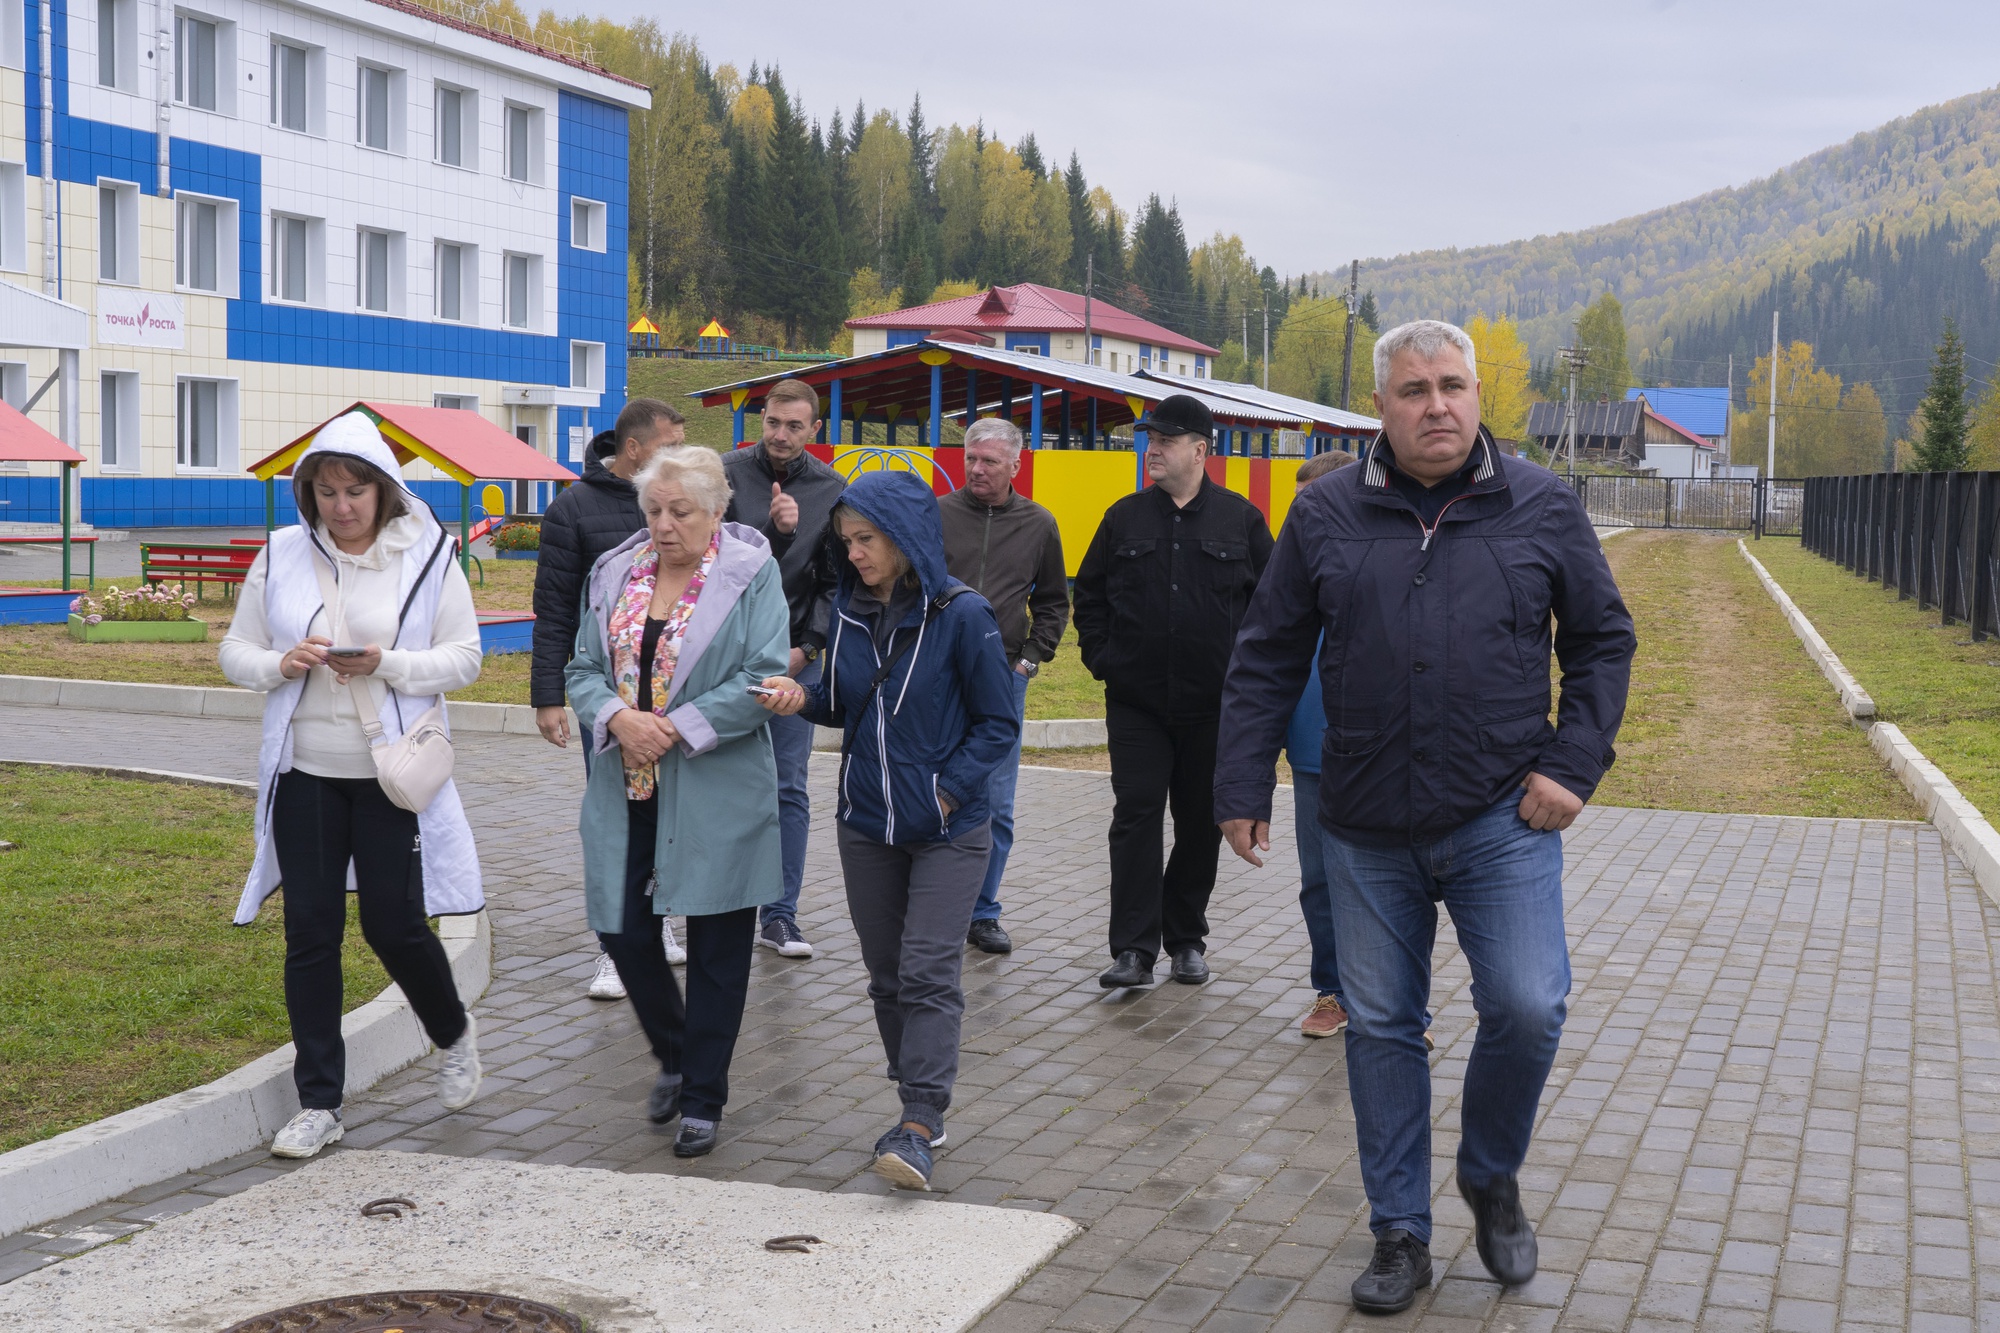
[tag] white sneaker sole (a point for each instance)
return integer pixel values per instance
(800, 950)
(899, 1173)
(675, 957)
(605, 993)
(478, 1072)
(295, 1154)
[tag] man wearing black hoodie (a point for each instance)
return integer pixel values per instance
(587, 519)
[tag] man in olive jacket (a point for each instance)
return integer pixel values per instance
(1006, 548)
(1159, 596)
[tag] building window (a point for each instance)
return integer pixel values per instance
(298, 263)
(457, 129)
(586, 366)
(524, 145)
(586, 224)
(463, 402)
(298, 87)
(13, 214)
(457, 269)
(118, 44)
(378, 277)
(523, 294)
(378, 111)
(13, 36)
(118, 420)
(206, 244)
(117, 232)
(195, 54)
(205, 425)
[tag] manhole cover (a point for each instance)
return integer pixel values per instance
(414, 1312)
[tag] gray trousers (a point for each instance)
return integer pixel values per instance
(911, 907)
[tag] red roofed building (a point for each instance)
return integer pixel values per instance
(1043, 321)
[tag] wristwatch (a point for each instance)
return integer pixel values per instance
(1028, 668)
(810, 653)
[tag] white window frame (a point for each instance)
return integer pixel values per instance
(117, 44)
(13, 214)
(468, 280)
(464, 402)
(394, 110)
(468, 125)
(394, 271)
(588, 219)
(225, 62)
(589, 357)
(226, 425)
(118, 206)
(521, 147)
(311, 274)
(521, 302)
(227, 254)
(313, 92)
(118, 421)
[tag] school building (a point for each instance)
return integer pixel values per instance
(1041, 321)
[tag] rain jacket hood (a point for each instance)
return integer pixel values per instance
(905, 509)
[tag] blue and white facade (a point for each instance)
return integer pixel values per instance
(273, 208)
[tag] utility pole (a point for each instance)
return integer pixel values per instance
(1576, 358)
(1089, 273)
(1771, 440)
(1729, 414)
(1267, 347)
(1347, 350)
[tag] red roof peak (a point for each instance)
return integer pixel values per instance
(999, 301)
(1030, 307)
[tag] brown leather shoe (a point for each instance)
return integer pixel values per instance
(1325, 1019)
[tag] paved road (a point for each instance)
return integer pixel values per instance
(1772, 1108)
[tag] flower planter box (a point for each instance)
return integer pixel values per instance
(139, 631)
(518, 555)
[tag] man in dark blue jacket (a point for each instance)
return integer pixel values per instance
(1438, 571)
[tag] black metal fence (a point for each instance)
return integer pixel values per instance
(1707, 504)
(1928, 535)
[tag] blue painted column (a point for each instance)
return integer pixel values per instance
(1092, 444)
(1064, 435)
(833, 410)
(737, 438)
(971, 396)
(937, 399)
(1267, 444)
(892, 432)
(1139, 459)
(1035, 417)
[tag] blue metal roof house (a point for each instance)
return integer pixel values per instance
(1701, 411)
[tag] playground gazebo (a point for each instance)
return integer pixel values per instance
(22, 441)
(462, 444)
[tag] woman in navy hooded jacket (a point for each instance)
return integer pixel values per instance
(916, 680)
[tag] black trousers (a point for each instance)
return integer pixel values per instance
(1155, 765)
(693, 1041)
(319, 825)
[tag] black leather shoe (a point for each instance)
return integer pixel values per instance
(1506, 1241)
(1190, 968)
(1401, 1268)
(1131, 969)
(664, 1103)
(988, 936)
(693, 1142)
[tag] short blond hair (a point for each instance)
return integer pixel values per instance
(697, 471)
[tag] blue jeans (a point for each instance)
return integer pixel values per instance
(791, 747)
(1502, 883)
(1000, 802)
(1315, 899)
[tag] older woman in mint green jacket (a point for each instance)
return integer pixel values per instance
(681, 626)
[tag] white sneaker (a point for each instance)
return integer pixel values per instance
(675, 954)
(306, 1133)
(604, 984)
(458, 1081)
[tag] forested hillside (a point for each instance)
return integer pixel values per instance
(1699, 279)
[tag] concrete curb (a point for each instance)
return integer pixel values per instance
(234, 1114)
(115, 696)
(1966, 831)
(1852, 697)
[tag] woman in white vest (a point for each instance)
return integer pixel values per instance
(364, 594)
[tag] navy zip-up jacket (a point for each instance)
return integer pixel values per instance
(1434, 668)
(943, 719)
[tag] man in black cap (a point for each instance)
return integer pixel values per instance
(1157, 601)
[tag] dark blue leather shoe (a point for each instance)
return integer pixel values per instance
(696, 1140)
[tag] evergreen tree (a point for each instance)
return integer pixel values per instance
(1944, 446)
(806, 283)
(1160, 270)
(856, 127)
(1030, 154)
(1366, 313)
(745, 227)
(1082, 223)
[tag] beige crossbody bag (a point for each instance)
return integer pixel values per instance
(413, 768)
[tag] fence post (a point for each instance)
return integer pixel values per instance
(1980, 612)
(1757, 509)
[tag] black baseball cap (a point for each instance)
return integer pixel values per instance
(1179, 414)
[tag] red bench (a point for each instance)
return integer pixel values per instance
(90, 542)
(195, 562)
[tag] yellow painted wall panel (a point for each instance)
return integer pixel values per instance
(1077, 486)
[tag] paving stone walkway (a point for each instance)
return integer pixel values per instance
(1773, 1107)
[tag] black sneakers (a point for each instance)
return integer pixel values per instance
(1401, 1268)
(1506, 1241)
(988, 936)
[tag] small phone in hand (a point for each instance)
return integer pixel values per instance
(347, 652)
(765, 690)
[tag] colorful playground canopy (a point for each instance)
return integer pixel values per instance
(642, 325)
(22, 441)
(464, 445)
(929, 380)
(1329, 420)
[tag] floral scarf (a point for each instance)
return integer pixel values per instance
(628, 631)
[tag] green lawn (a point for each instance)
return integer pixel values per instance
(121, 979)
(1928, 678)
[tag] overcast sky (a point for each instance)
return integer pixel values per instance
(1324, 130)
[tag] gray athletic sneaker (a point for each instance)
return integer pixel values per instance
(306, 1133)
(458, 1081)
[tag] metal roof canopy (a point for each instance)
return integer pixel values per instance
(900, 378)
(22, 441)
(1335, 421)
(30, 319)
